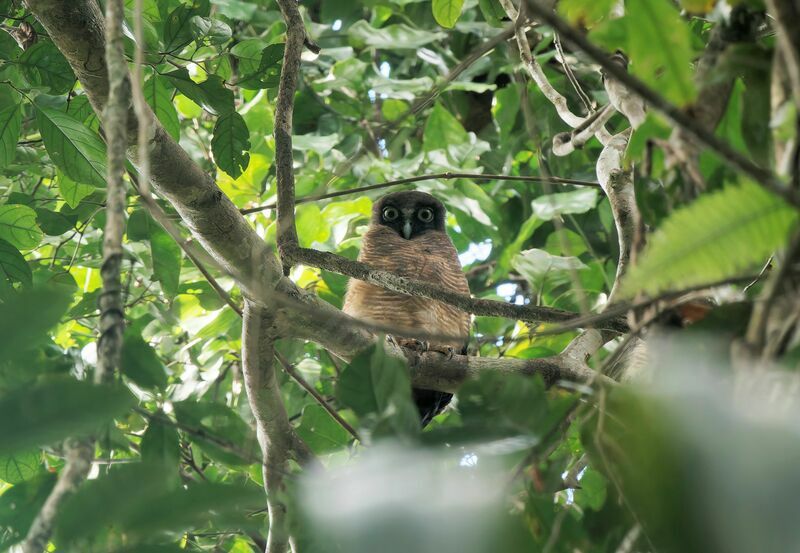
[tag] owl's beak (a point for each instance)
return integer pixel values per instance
(407, 229)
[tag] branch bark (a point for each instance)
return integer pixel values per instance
(284, 108)
(278, 441)
(735, 160)
(403, 285)
(80, 452)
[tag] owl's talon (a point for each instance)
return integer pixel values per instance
(420, 346)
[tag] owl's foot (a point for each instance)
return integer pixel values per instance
(420, 346)
(447, 351)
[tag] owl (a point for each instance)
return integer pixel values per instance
(407, 236)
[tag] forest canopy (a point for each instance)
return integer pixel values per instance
(184, 189)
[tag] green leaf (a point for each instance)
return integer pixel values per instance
(442, 130)
(19, 507)
(211, 94)
(576, 201)
(210, 30)
(320, 431)
(55, 409)
(538, 265)
(140, 502)
(509, 252)
(73, 192)
(26, 316)
(716, 237)
(493, 12)
(223, 435)
(659, 46)
(140, 362)
(166, 261)
(53, 223)
(20, 467)
(72, 146)
(13, 265)
(18, 226)
(140, 225)
(392, 37)
(585, 12)
(265, 70)
(178, 31)
(158, 97)
(10, 124)
(375, 384)
(161, 445)
(447, 12)
(592, 492)
(230, 144)
(45, 66)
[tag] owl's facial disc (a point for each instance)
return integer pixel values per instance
(410, 214)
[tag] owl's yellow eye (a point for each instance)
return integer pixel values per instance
(390, 213)
(425, 215)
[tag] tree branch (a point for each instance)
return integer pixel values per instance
(276, 436)
(436, 176)
(80, 452)
(284, 108)
(654, 100)
(404, 285)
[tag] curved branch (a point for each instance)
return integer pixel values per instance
(726, 153)
(284, 108)
(404, 285)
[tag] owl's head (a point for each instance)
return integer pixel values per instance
(409, 213)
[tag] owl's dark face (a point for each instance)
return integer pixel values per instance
(409, 213)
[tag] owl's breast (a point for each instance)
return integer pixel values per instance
(431, 258)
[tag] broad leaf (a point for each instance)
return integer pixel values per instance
(18, 226)
(717, 237)
(392, 37)
(72, 146)
(55, 409)
(10, 122)
(210, 94)
(13, 265)
(140, 363)
(166, 261)
(20, 467)
(446, 12)
(321, 432)
(45, 66)
(158, 97)
(230, 144)
(19, 507)
(73, 192)
(27, 315)
(576, 201)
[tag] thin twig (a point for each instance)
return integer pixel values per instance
(291, 371)
(435, 176)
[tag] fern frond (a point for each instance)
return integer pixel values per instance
(717, 237)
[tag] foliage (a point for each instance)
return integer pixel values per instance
(178, 461)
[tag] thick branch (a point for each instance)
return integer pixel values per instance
(403, 285)
(655, 101)
(276, 436)
(284, 108)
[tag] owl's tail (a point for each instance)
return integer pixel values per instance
(430, 403)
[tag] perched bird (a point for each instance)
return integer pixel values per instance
(407, 236)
